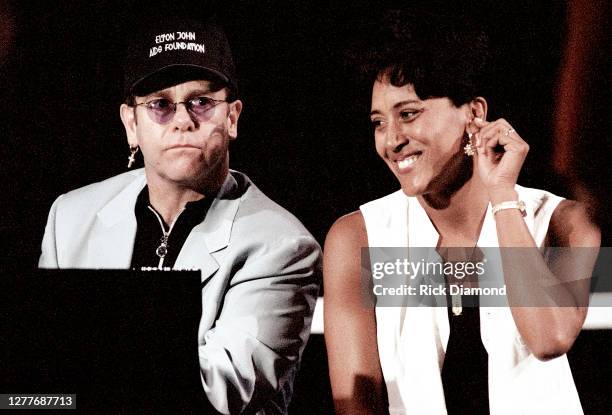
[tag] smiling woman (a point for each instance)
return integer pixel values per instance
(458, 175)
(409, 131)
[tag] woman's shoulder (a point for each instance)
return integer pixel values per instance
(351, 228)
(570, 221)
(385, 201)
(538, 198)
(571, 224)
(348, 231)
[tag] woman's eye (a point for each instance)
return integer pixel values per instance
(376, 124)
(407, 115)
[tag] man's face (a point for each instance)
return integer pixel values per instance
(189, 150)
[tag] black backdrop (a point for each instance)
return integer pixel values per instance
(304, 136)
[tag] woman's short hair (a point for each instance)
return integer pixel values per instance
(441, 56)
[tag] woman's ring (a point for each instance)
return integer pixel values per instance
(509, 131)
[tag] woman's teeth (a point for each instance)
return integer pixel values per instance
(407, 162)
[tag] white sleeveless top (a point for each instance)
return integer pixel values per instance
(412, 341)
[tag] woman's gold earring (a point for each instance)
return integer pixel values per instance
(132, 157)
(469, 148)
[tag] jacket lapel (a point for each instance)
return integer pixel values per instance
(114, 230)
(213, 234)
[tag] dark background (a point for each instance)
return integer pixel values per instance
(304, 135)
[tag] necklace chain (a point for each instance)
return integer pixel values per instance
(162, 249)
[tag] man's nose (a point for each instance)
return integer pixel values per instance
(183, 119)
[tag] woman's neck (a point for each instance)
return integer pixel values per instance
(460, 215)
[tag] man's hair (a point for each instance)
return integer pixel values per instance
(441, 56)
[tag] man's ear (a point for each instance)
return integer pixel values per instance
(128, 118)
(478, 108)
(235, 108)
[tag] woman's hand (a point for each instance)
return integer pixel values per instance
(500, 154)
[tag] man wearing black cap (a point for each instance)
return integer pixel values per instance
(186, 209)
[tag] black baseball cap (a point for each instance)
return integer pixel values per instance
(163, 53)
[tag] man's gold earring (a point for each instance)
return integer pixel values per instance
(132, 157)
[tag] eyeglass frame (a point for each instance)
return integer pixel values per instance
(174, 106)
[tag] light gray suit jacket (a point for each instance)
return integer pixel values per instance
(260, 276)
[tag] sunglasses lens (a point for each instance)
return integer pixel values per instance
(160, 111)
(201, 107)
